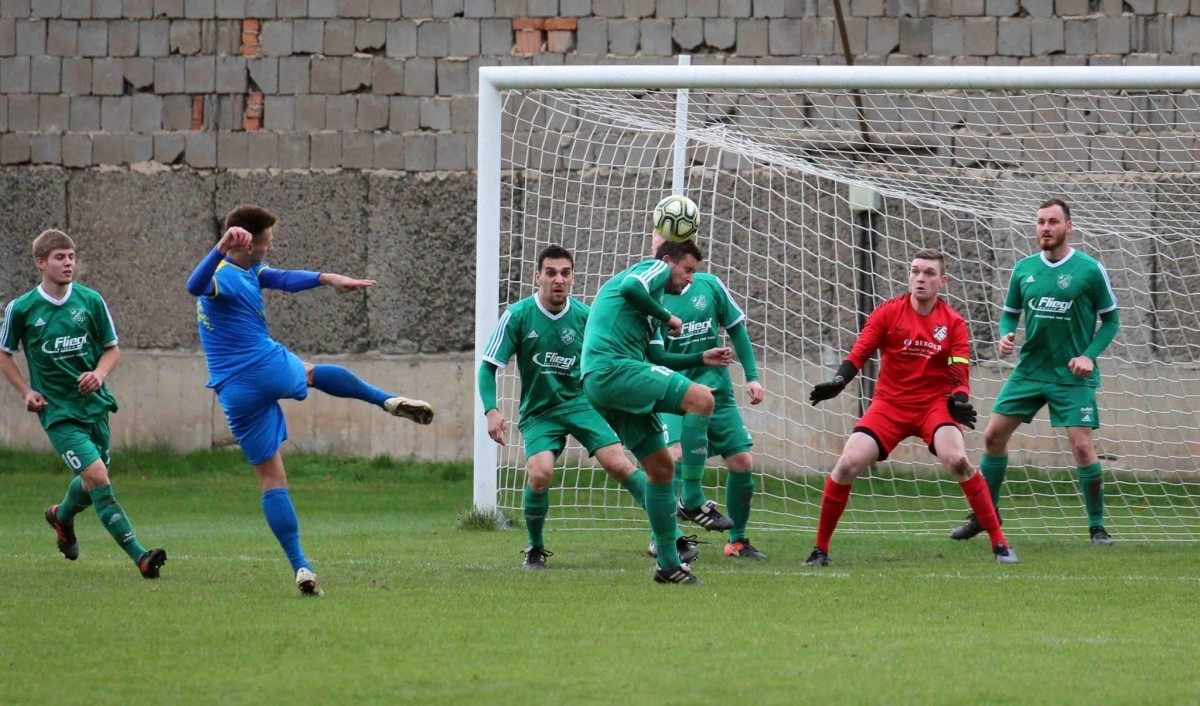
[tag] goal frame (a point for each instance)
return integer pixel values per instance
(494, 80)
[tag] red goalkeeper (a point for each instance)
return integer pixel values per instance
(923, 390)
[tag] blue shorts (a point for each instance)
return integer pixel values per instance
(251, 403)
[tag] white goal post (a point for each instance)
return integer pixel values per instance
(815, 186)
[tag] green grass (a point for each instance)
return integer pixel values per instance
(418, 611)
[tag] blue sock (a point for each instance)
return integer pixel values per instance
(340, 382)
(281, 517)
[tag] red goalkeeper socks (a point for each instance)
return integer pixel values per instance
(833, 502)
(976, 490)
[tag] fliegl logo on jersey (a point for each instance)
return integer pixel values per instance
(65, 344)
(1049, 305)
(556, 361)
(693, 328)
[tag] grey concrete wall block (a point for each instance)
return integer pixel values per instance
(162, 8)
(1187, 34)
(512, 8)
(818, 36)
(783, 37)
(15, 148)
(420, 153)
(372, 113)
(45, 149)
(464, 114)
(356, 74)
(137, 148)
(31, 37)
(200, 74)
(389, 151)
(294, 150)
(262, 149)
(85, 113)
(200, 150)
(76, 9)
(108, 149)
(264, 74)
(385, 9)
(420, 77)
(735, 8)
(14, 8)
(916, 36)
(108, 78)
(704, 8)
(574, 8)
(177, 112)
(326, 75)
(62, 38)
(358, 150)
(637, 9)
(146, 113)
(92, 38)
(404, 114)
(293, 75)
(106, 9)
(326, 150)
(402, 38)
(417, 9)
(200, 9)
(774, 9)
(308, 36)
(979, 35)
(279, 113)
(464, 37)
(233, 151)
(54, 113)
(45, 74)
(231, 74)
(3, 113)
(670, 9)
(341, 112)
(967, 8)
(453, 77)
(544, 8)
(123, 38)
(354, 8)
(656, 38)
(883, 35)
(1046, 36)
(435, 113)
(1079, 37)
(8, 36)
(309, 113)
(688, 33)
(1002, 8)
(623, 37)
(184, 37)
(479, 8)
(23, 112)
(1072, 8)
(154, 38)
(1042, 8)
(339, 37)
(449, 8)
(433, 38)
(387, 76)
(261, 9)
(323, 8)
(276, 38)
(168, 74)
(947, 37)
(231, 111)
(1014, 36)
(291, 8)
(231, 9)
(1113, 35)
(370, 35)
(116, 113)
(591, 37)
(720, 33)
(46, 9)
(139, 72)
(168, 147)
(76, 151)
(451, 152)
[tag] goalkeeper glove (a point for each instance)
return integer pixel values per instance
(827, 390)
(961, 410)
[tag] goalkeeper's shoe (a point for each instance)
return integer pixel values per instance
(686, 546)
(1100, 537)
(707, 516)
(1004, 554)
(67, 544)
(306, 581)
(971, 527)
(535, 557)
(742, 549)
(818, 557)
(681, 575)
(418, 411)
(150, 562)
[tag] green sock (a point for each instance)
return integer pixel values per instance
(74, 502)
(1091, 485)
(694, 444)
(114, 519)
(739, 489)
(537, 506)
(678, 479)
(660, 507)
(993, 469)
(636, 485)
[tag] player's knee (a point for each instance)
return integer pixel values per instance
(95, 475)
(740, 463)
(960, 466)
(846, 470)
(700, 400)
(995, 440)
(538, 476)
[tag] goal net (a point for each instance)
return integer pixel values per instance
(813, 200)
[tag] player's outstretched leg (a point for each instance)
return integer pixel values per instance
(68, 545)
(62, 517)
(114, 519)
(340, 382)
(285, 525)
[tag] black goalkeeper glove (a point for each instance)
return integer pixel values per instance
(827, 390)
(961, 410)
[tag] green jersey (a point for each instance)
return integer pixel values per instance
(548, 347)
(1060, 301)
(62, 340)
(618, 331)
(704, 307)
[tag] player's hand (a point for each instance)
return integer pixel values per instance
(233, 239)
(961, 410)
(718, 357)
(827, 390)
(34, 402)
(756, 392)
(1008, 343)
(674, 325)
(343, 283)
(89, 382)
(1081, 367)
(496, 426)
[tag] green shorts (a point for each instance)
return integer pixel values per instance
(79, 444)
(548, 431)
(1070, 405)
(629, 393)
(727, 433)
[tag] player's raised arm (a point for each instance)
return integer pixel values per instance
(201, 280)
(636, 291)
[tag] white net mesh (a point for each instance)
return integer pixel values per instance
(959, 171)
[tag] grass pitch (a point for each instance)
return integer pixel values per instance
(418, 611)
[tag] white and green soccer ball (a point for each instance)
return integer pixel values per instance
(676, 218)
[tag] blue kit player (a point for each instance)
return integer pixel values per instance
(251, 372)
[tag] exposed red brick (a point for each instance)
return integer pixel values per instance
(529, 41)
(251, 42)
(197, 112)
(254, 112)
(569, 24)
(521, 23)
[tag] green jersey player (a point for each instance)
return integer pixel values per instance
(545, 333)
(1060, 291)
(70, 346)
(626, 386)
(705, 306)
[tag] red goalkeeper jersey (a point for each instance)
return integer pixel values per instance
(924, 359)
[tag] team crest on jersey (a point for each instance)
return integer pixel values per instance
(939, 333)
(568, 335)
(700, 302)
(79, 316)
(1064, 281)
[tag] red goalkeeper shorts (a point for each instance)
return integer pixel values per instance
(889, 424)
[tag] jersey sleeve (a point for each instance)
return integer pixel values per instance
(503, 343)
(959, 357)
(1012, 300)
(106, 330)
(731, 314)
(13, 328)
(872, 335)
(1102, 291)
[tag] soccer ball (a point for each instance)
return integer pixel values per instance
(676, 218)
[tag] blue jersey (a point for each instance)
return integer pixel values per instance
(233, 323)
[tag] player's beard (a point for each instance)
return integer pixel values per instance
(1054, 242)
